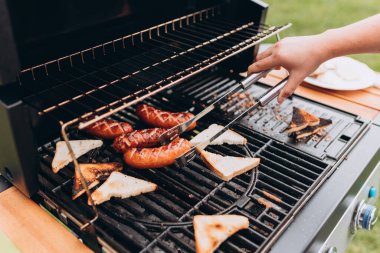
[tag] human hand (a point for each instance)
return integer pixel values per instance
(300, 56)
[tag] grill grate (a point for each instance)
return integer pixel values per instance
(193, 190)
(112, 76)
(273, 119)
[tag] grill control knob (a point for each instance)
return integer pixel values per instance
(365, 217)
(372, 192)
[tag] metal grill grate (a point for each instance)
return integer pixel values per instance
(282, 183)
(114, 75)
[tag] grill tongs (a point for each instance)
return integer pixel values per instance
(176, 131)
(182, 160)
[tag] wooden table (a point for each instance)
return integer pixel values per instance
(31, 229)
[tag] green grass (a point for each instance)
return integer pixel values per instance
(315, 16)
(6, 246)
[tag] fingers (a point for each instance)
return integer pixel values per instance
(264, 54)
(261, 65)
(292, 84)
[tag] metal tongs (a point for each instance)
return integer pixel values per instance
(182, 160)
(176, 131)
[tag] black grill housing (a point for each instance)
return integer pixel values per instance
(160, 221)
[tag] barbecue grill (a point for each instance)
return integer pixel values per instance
(176, 56)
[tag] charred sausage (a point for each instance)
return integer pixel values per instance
(138, 139)
(149, 158)
(163, 119)
(108, 129)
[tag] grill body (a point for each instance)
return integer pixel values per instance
(184, 63)
(51, 43)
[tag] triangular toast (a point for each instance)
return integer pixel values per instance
(122, 186)
(228, 167)
(62, 156)
(229, 137)
(308, 131)
(300, 120)
(212, 230)
(92, 173)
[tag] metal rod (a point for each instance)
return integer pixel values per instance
(79, 171)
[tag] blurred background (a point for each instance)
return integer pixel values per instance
(315, 16)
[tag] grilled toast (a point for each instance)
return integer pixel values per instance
(229, 137)
(228, 167)
(122, 186)
(93, 173)
(300, 120)
(308, 131)
(212, 230)
(62, 156)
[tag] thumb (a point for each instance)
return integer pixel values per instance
(292, 84)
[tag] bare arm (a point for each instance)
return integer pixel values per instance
(302, 55)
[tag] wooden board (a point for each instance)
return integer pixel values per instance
(31, 229)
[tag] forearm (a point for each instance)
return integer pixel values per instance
(357, 38)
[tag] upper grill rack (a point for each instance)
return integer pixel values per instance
(112, 76)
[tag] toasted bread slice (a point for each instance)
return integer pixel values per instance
(229, 137)
(308, 131)
(62, 156)
(228, 167)
(300, 120)
(211, 230)
(121, 186)
(92, 173)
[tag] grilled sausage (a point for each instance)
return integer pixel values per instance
(108, 129)
(149, 158)
(163, 119)
(138, 139)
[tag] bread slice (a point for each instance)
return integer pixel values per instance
(300, 120)
(228, 167)
(62, 156)
(229, 137)
(93, 173)
(308, 131)
(121, 186)
(211, 230)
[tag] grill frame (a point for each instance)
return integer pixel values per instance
(319, 181)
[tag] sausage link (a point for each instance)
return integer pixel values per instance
(138, 139)
(163, 119)
(150, 158)
(108, 129)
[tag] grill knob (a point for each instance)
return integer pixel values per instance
(365, 217)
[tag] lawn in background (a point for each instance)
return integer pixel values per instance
(315, 16)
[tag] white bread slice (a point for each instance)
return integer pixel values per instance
(122, 186)
(62, 156)
(229, 137)
(211, 230)
(228, 167)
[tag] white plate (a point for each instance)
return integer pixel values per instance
(343, 73)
